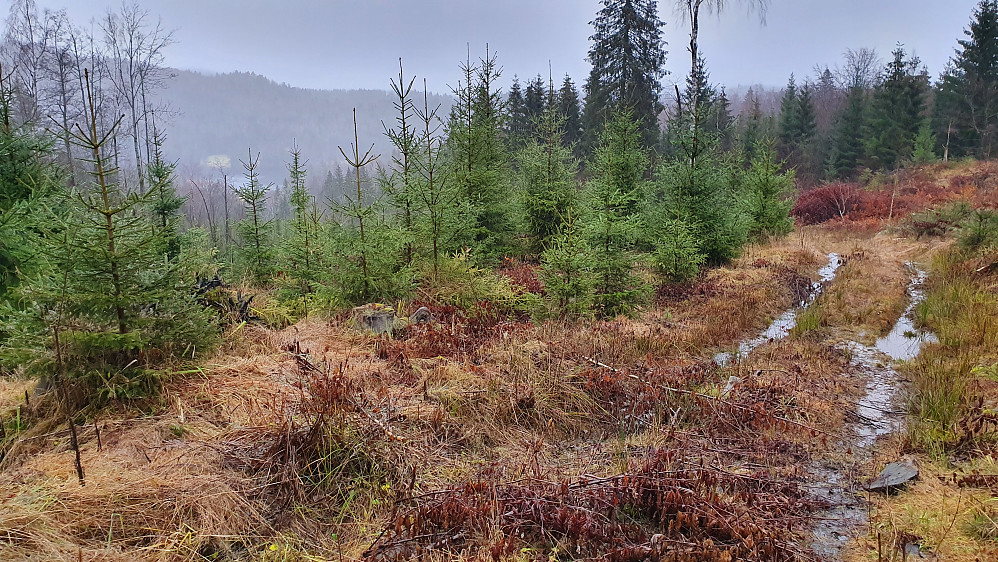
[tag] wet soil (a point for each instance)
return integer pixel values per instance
(877, 414)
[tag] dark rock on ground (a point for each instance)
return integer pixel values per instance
(895, 476)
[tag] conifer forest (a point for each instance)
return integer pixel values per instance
(623, 316)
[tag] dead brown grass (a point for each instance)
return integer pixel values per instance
(515, 404)
(937, 513)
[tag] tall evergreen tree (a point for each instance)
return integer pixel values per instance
(751, 125)
(807, 126)
(547, 175)
(535, 100)
(571, 109)
(897, 112)
(479, 159)
(255, 249)
(517, 123)
(614, 221)
(789, 118)
(367, 250)
(968, 90)
(628, 59)
(694, 207)
(848, 149)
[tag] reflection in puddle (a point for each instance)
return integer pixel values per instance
(876, 410)
(905, 342)
(781, 327)
(877, 416)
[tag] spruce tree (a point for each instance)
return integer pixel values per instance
(678, 255)
(399, 184)
(547, 175)
(797, 120)
(567, 269)
(517, 123)
(848, 140)
(807, 127)
(442, 215)
(614, 223)
(571, 109)
(480, 163)
(751, 126)
(789, 118)
(103, 301)
(166, 202)
(925, 145)
(767, 192)
(25, 177)
(967, 96)
(696, 194)
(897, 112)
(367, 248)
(302, 259)
(255, 252)
(535, 101)
(628, 59)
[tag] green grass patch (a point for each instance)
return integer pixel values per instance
(962, 309)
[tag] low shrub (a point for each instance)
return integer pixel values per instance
(939, 221)
(826, 202)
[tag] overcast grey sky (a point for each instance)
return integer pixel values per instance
(356, 43)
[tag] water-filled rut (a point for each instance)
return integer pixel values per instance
(878, 414)
(782, 326)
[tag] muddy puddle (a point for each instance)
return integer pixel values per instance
(782, 326)
(877, 414)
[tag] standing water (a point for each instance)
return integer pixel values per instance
(781, 327)
(877, 413)
(877, 416)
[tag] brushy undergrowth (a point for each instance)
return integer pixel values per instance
(953, 406)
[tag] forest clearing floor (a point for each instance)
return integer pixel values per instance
(483, 438)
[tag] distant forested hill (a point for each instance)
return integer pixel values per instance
(227, 114)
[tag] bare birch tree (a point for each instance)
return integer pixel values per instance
(690, 10)
(135, 46)
(25, 45)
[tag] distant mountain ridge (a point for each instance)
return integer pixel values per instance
(226, 115)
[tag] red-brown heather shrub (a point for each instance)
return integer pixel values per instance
(826, 202)
(522, 275)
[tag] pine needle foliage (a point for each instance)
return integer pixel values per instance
(255, 251)
(547, 175)
(614, 222)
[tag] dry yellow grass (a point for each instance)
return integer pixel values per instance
(517, 408)
(935, 512)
